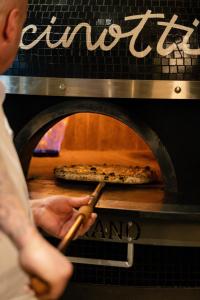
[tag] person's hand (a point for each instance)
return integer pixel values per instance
(41, 260)
(56, 214)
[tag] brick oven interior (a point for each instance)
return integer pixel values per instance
(92, 139)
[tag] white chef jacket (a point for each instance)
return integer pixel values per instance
(12, 278)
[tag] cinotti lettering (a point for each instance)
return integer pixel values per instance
(115, 31)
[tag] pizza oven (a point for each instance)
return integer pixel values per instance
(90, 132)
(116, 83)
(52, 130)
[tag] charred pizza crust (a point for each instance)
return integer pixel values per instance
(106, 173)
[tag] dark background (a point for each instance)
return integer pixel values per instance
(78, 62)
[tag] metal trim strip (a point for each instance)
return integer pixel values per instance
(102, 88)
(106, 262)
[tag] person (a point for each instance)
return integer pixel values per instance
(23, 250)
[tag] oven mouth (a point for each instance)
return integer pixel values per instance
(39, 170)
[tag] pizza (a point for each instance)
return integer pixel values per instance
(106, 173)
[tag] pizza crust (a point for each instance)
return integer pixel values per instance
(106, 173)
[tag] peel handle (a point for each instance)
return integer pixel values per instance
(40, 287)
(84, 214)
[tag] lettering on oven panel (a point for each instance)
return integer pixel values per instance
(115, 31)
(114, 231)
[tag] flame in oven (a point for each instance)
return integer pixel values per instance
(51, 142)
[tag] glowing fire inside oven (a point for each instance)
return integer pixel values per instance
(51, 142)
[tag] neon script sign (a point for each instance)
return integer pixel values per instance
(115, 32)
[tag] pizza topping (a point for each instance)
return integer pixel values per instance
(93, 169)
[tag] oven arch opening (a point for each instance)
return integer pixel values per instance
(28, 138)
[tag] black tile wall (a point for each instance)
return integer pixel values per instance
(76, 61)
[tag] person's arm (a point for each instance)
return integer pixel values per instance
(13, 219)
(36, 256)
